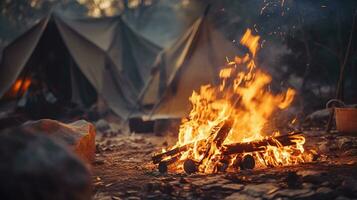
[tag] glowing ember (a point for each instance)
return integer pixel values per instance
(235, 112)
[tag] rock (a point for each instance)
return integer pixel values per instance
(307, 185)
(233, 186)
(342, 198)
(258, 190)
(316, 177)
(324, 147)
(102, 125)
(293, 180)
(317, 118)
(79, 135)
(351, 152)
(345, 143)
(241, 196)
(305, 173)
(350, 185)
(324, 190)
(210, 187)
(209, 180)
(98, 162)
(293, 193)
(33, 166)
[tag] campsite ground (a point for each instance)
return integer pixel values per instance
(123, 170)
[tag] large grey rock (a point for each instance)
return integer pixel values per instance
(35, 167)
(79, 135)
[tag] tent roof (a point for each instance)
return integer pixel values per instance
(115, 60)
(192, 61)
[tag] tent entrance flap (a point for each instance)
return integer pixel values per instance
(51, 69)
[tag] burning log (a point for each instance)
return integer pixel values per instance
(247, 162)
(218, 139)
(163, 165)
(221, 135)
(159, 157)
(283, 140)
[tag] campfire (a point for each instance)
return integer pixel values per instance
(225, 129)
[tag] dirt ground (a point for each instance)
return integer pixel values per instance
(123, 170)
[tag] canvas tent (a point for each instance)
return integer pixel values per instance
(105, 54)
(193, 60)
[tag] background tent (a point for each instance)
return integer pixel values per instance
(114, 59)
(39, 58)
(193, 60)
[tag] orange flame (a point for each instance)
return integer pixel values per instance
(243, 99)
(19, 87)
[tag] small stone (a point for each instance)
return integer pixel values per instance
(342, 198)
(233, 186)
(324, 147)
(307, 185)
(133, 198)
(258, 190)
(324, 190)
(304, 173)
(351, 152)
(345, 143)
(208, 180)
(212, 186)
(183, 180)
(166, 188)
(315, 177)
(241, 196)
(293, 180)
(326, 183)
(293, 193)
(102, 125)
(98, 162)
(349, 184)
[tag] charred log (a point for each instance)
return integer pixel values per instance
(284, 140)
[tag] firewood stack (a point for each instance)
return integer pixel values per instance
(239, 155)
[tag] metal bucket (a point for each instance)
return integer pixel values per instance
(346, 118)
